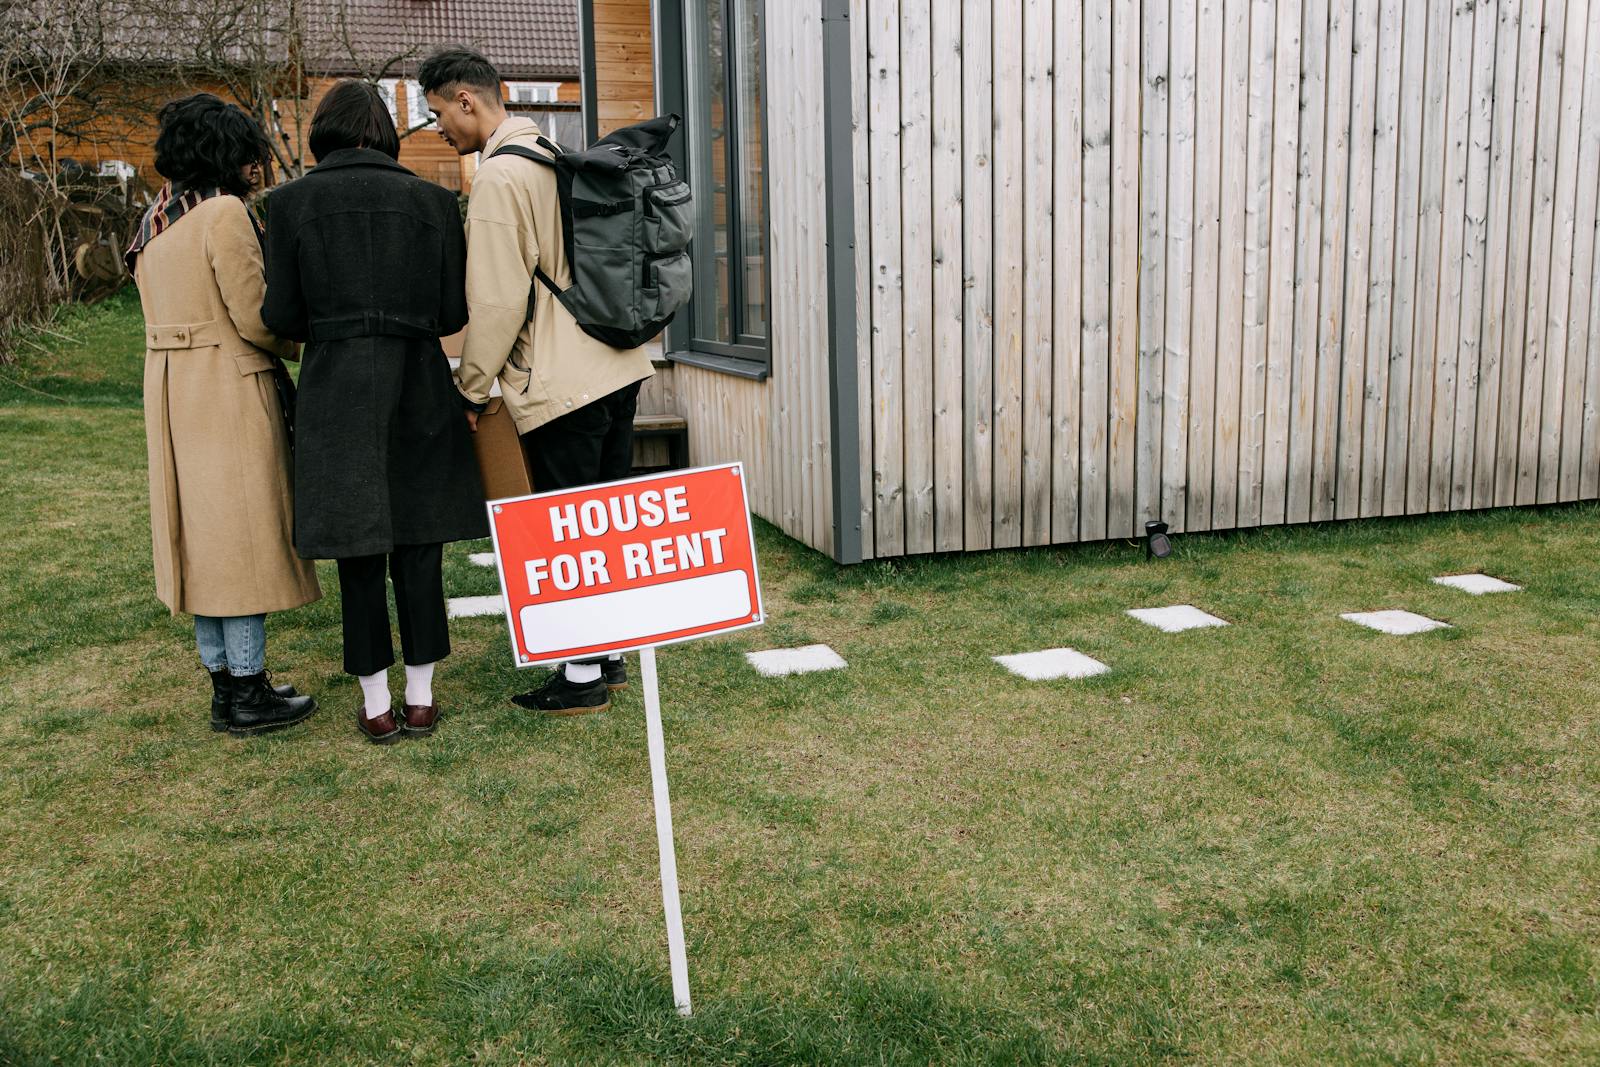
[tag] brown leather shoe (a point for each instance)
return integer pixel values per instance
(420, 719)
(380, 731)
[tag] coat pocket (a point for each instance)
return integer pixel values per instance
(253, 362)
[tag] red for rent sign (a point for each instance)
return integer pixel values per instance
(626, 565)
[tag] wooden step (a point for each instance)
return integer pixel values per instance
(660, 443)
(660, 424)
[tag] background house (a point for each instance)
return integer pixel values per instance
(279, 57)
(533, 43)
(988, 273)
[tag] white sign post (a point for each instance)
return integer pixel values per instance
(629, 566)
(669, 857)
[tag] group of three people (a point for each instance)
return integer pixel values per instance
(368, 267)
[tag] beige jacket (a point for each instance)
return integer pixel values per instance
(550, 366)
(221, 499)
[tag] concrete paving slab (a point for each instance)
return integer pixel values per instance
(1052, 663)
(1395, 622)
(1177, 618)
(777, 662)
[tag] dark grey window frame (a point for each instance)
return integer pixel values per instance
(589, 88)
(751, 357)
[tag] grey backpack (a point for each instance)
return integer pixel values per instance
(627, 219)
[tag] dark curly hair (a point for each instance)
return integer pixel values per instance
(205, 141)
(353, 115)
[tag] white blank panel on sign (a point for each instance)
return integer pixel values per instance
(589, 620)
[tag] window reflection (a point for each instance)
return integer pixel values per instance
(752, 216)
(726, 165)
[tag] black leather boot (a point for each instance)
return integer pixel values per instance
(258, 709)
(222, 698)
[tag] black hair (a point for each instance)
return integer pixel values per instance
(353, 115)
(449, 67)
(206, 142)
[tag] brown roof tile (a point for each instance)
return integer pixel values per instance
(525, 39)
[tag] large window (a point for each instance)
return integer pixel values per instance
(719, 83)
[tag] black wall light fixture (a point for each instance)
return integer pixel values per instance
(1156, 543)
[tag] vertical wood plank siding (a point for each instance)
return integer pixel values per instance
(1220, 262)
(779, 427)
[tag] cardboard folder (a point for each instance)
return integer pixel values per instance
(501, 463)
(500, 459)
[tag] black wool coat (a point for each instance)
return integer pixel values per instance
(366, 263)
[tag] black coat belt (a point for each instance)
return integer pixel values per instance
(371, 324)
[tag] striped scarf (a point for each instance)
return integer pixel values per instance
(170, 206)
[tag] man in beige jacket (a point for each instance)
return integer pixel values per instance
(572, 397)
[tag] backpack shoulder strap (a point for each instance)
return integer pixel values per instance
(523, 153)
(527, 153)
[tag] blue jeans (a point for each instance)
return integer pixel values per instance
(237, 645)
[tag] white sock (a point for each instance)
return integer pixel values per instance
(375, 687)
(419, 684)
(583, 673)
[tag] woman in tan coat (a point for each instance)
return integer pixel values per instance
(221, 501)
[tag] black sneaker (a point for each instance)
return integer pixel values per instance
(615, 672)
(557, 696)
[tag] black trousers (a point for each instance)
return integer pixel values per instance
(589, 445)
(417, 572)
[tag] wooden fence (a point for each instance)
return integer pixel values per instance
(1222, 262)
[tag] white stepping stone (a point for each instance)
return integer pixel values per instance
(777, 662)
(1052, 663)
(1477, 584)
(465, 607)
(1177, 618)
(1395, 622)
(482, 559)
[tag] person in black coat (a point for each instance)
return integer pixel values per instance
(366, 263)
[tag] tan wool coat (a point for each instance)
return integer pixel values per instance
(549, 367)
(221, 500)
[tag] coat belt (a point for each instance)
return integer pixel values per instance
(371, 324)
(182, 335)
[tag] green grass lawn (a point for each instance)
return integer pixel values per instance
(1287, 841)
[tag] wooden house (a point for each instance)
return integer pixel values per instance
(306, 47)
(977, 274)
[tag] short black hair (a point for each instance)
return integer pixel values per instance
(353, 115)
(450, 67)
(205, 142)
